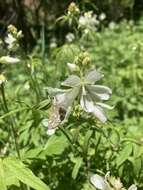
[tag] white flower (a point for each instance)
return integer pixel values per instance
(53, 43)
(112, 25)
(9, 60)
(91, 95)
(99, 182)
(70, 37)
(19, 34)
(102, 16)
(88, 21)
(133, 187)
(110, 183)
(82, 21)
(10, 40)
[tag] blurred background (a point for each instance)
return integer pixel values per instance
(31, 15)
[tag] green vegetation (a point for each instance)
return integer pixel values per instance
(56, 132)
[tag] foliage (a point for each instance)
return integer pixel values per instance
(82, 145)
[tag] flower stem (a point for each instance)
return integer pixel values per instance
(11, 121)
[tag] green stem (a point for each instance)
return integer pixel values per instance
(68, 137)
(6, 109)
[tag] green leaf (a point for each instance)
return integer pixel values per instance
(2, 176)
(32, 153)
(25, 175)
(124, 154)
(86, 141)
(44, 104)
(10, 178)
(78, 163)
(56, 145)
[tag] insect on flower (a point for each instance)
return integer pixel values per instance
(57, 116)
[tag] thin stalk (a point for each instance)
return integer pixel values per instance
(6, 109)
(68, 137)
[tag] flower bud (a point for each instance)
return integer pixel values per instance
(73, 9)
(12, 29)
(72, 67)
(86, 61)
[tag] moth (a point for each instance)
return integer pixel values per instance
(57, 115)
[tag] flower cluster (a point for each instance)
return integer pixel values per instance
(88, 21)
(80, 87)
(13, 37)
(73, 9)
(11, 41)
(70, 37)
(108, 183)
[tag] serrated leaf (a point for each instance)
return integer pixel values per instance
(2, 176)
(124, 154)
(25, 175)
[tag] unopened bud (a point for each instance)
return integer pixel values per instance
(72, 67)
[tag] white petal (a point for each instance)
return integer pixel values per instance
(71, 81)
(10, 39)
(92, 76)
(89, 106)
(99, 113)
(60, 98)
(99, 182)
(55, 91)
(105, 106)
(104, 96)
(51, 131)
(72, 67)
(102, 89)
(45, 122)
(86, 104)
(8, 59)
(98, 92)
(133, 187)
(82, 102)
(66, 100)
(83, 91)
